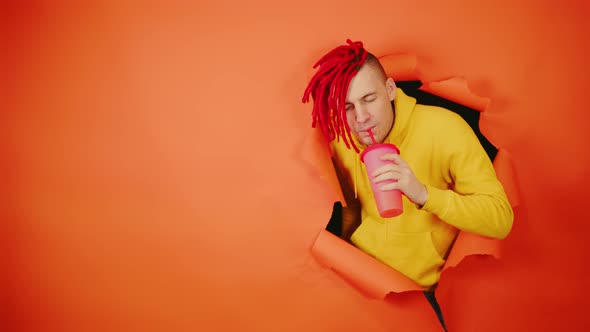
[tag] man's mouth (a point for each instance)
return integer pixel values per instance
(366, 131)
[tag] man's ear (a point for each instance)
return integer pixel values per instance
(391, 88)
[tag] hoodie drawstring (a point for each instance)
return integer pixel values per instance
(356, 161)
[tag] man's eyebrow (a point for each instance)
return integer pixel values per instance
(368, 94)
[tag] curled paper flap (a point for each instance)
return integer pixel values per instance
(471, 244)
(361, 270)
(456, 90)
(505, 172)
(401, 67)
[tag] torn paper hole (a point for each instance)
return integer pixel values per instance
(363, 271)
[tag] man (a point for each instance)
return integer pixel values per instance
(446, 177)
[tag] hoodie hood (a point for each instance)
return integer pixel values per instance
(404, 107)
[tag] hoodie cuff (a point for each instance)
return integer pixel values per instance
(437, 202)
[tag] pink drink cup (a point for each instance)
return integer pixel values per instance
(389, 203)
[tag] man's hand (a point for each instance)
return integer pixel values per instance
(407, 182)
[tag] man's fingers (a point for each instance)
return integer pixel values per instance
(395, 158)
(389, 186)
(386, 168)
(389, 156)
(387, 176)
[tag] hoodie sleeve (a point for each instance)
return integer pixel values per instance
(476, 201)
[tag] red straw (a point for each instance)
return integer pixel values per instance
(372, 137)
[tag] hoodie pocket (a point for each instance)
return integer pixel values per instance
(412, 254)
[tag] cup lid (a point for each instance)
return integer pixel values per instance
(376, 146)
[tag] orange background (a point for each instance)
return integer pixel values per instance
(150, 178)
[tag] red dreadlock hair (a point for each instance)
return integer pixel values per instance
(329, 87)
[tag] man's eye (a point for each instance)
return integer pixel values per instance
(370, 99)
(348, 107)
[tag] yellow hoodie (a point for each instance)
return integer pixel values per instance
(463, 192)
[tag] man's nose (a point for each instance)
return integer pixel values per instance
(362, 114)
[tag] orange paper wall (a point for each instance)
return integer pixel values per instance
(150, 179)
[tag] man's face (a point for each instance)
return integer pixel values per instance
(368, 105)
